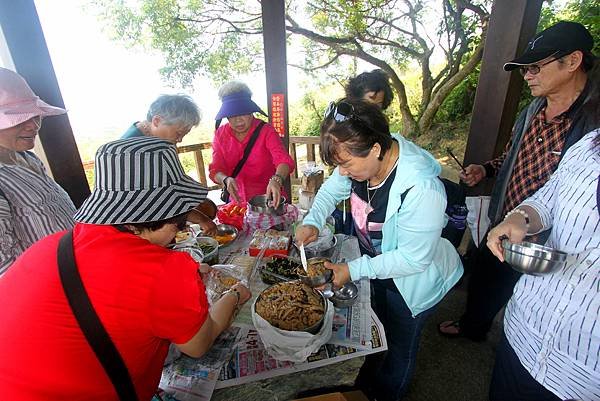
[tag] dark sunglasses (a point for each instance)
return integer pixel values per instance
(340, 112)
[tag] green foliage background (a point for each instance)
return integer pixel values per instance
(452, 120)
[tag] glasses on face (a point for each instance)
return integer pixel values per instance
(340, 112)
(534, 69)
(37, 120)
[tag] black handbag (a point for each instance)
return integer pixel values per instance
(238, 167)
(90, 323)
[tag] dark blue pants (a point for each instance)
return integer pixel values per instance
(490, 287)
(511, 381)
(386, 376)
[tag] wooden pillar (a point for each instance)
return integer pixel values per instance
(27, 48)
(273, 21)
(512, 24)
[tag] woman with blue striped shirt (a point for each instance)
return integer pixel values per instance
(551, 347)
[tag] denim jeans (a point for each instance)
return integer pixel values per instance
(386, 376)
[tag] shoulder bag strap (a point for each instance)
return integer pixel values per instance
(90, 324)
(247, 150)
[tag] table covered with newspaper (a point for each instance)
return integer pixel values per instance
(238, 355)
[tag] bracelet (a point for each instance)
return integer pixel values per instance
(522, 213)
(278, 178)
(225, 180)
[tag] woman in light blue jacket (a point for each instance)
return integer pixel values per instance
(398, 206)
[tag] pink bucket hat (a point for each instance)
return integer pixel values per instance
(18, 103)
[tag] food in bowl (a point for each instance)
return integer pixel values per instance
(225, 234)
(317, 274)
(316, 267)
(280, 269)
(210, 249)
(291, 306)
(182, 236)
(224, 238)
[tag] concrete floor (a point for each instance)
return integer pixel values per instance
(447, 370)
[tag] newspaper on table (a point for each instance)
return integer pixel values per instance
(189, 379)
(250, 361)
(238, 356)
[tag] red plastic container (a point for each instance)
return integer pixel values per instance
(232, 214)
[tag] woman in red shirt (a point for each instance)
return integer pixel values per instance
(145, 295)
(268, 164)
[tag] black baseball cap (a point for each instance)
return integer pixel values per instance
(560, 39)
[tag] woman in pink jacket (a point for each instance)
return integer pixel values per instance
(268, 163)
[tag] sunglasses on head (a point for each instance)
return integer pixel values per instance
(340, 111)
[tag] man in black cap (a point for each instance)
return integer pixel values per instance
(554, 66)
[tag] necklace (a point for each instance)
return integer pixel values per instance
(376, 187)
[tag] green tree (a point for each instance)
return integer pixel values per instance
(221, 38)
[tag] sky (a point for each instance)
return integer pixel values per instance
(105, 86)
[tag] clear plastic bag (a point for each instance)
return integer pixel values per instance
(221, 278)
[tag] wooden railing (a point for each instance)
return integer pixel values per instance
(196, 149)
(311, 143)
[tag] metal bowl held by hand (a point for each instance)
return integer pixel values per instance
(345, 296)
(318, 274)
(534, 259)
(320, 251)
(260, 204)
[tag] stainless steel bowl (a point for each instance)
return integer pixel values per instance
(226, 229)
(316, 281)
(345, 296)
(260, 204)
(534, 259)
(321, 252)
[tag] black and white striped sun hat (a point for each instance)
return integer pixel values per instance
(139, 180)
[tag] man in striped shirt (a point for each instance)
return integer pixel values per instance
(555, 66)
(32, 205)
(551, 347)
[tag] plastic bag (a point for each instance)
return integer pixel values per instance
(477, 218)
(323, 241)
(294, 346)
(263, 221)
(220, 279)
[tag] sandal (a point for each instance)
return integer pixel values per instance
(450, 328)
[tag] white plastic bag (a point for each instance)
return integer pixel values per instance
(477, 218)
(294, 346)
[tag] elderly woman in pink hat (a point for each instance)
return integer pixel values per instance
(32, 205)
(268, 162)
